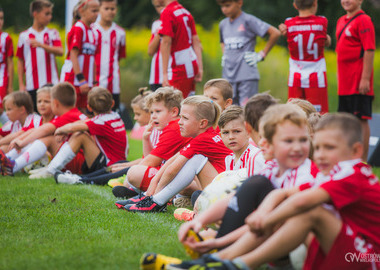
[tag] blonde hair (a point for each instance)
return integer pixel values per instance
(140, 99)
(205, 108)
(233, 112)
(171, 97)
(82, 4)
(278, 114)
(305, 105)
(100, 100)
(44, 89)
(223, 85)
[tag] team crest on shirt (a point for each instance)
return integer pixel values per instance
(347, 32)
(241, 28)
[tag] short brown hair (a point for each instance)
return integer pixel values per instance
(171, 97)
(100, 100)
(233, 112)
(220, 2)
(140, 99)
(223, 85)
(255, 108)
(303, 4)
(205, 108)
(21, 99)
(65, 93)
(38, 5)
(348, 124)
(278, 114)
(102, 1)
(304, 104)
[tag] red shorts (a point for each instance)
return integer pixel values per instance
(349, 251)
(3, 93)
(316, 96)
(81, 99)
(148, 176)
(185, 85)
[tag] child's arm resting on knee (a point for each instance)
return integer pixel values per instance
(71, 128)
(294, 205)
(37, 133)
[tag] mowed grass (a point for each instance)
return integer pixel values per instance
(48, 226)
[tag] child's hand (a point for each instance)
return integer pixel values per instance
(283, 29)
(84, 89)
(201, 247)
(252, 58)
(194, 225)
(255, 222)
(118, 166)
(60, 138)
(364, 86)
(16, 144)
(34, 43)
(148, 130)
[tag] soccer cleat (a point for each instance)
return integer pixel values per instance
(120, 204)
(153, 261)
(184, 214)
(182, 202)
(67, 178)
(146, 205)
(116, 181)
(207, 262)
(44, 173)
(123, 192)
(7, 164)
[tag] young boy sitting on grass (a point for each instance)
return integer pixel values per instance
(344, 182)
(42, 138)
(102, 138)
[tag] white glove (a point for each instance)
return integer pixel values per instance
(223, 61)
(252, 58)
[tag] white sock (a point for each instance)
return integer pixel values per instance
(3, 118)
(33, 153)
(64, 156)
(13, 154)
(184, 178)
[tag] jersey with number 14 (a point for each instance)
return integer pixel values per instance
(306, 38)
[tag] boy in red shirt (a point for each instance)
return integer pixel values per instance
(36, 51)
(347, 238)
(6, 63)
(355, 50)
(307, 36)
(181, 50)
(42, 138)
(111, 42)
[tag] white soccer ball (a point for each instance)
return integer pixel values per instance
(44, 161)
(223, 184)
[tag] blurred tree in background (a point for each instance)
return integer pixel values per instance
(135, 13)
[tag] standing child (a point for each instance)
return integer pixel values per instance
(42, 139)
(355, 50)
(181, 49)
(6, 65)
(36, 50)
(203, 157)
(238, 34)
(307, 37)
(155, 78)
(102, 138)
(111, 42)
(79, 65)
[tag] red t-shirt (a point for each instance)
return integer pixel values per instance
(179, 24)
(210, 145)
(354, 192)
(69, 117)
(170, 141)
(359, 35)
(110, 136)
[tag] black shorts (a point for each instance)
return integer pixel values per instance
(99, 163)
(358, 105)
(33, 95)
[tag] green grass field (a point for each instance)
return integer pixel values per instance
(48, 226)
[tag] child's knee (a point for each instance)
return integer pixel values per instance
(134, 176)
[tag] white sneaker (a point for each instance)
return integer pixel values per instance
(43, 173)
(68, 178)
(36, 170)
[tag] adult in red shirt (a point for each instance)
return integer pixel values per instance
(355, 50)
(180, 48)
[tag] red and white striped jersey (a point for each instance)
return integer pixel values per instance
(83, 38)
(256, 162)
(32, 121)
(110, 135)
(306, 38)
(111, 49)
(40, 66)
(6, 50)
(244, 160)
(179, 24)
(305, 173)
(155, 137)
(11, 127)
(156, 64)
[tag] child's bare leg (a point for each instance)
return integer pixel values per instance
(136, 175)
(207, 174)
(323, 223)
(83, 140)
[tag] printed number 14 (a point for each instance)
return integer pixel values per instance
(312, 48)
